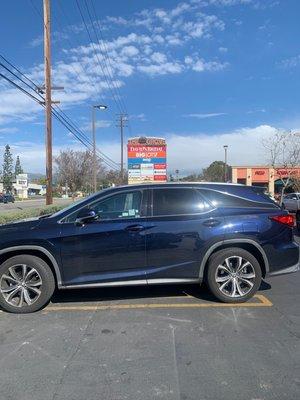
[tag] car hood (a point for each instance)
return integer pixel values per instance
(27, 223)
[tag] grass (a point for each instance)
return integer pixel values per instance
(17, 215)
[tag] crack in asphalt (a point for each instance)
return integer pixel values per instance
(77, 348)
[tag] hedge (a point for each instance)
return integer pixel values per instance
(17, 215)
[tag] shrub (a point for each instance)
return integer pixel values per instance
(17, 215)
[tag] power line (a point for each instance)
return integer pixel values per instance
(71, 45)
(63, 119)
(108, 74)
(106, 55)
(15, 68)
(80, 135)
(97, 56)
(20, 88)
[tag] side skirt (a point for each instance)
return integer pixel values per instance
(140, 282)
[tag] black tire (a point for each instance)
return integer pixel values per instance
(46, 287)
(218, 259)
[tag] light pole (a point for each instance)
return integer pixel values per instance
(225, 166)
(100, 107)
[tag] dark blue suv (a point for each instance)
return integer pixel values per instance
(229, 235)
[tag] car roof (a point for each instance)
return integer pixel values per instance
(218, 185)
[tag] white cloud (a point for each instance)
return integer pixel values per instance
(87, 126)
(150, 49)
(16, 105)
(9, 130)
(223, 49)
(129, 51)
(140, 117)
(204, 116)
(187, 153)
(199, 65)
(291, 62)
(158, 57)
(191, 153)
(161, 69)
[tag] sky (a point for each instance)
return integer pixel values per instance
(200, 73)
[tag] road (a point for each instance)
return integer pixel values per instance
(26, 204)
(160, 342)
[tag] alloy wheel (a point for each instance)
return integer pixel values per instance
(235, 277)
(21, 285)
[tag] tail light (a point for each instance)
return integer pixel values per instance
(288, 219)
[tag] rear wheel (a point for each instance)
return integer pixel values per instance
(234, 275)
(26, 284)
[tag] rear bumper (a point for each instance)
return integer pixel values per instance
(289, 270)
(286, 270)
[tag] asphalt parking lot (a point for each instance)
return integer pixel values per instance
(161, 342)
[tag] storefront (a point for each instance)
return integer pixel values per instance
(265, 176)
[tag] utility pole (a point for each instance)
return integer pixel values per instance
(121, 125)
(94, 151)
(225, 166)
(48, 101)
(95, 169)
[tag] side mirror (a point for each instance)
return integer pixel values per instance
(85, 217)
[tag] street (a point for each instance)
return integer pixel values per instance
(155, 342)
(27, 204)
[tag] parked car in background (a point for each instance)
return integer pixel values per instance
(7, 198)
(230, 236)
(291, 202)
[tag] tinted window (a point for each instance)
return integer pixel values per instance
(218, 199)
(119, 206)
(178, 202)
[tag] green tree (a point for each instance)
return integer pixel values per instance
(215, 172)
(18, 167)
(7, 174)
(192, 178)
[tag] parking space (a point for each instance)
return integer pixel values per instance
(156, 342)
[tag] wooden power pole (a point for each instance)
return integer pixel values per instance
(48, 101)
(121, 125)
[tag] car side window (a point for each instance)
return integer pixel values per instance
(294, 197)
(119, 206)
(178, 201)
(218, 199)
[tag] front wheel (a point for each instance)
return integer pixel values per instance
(26, 284)
(234, 275)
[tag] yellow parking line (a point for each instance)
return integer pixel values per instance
(264, 302)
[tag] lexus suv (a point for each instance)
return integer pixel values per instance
(230, 236)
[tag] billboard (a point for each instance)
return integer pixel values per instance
(147, 160)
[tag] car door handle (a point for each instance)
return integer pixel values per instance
(211, 222)
(134, 228)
